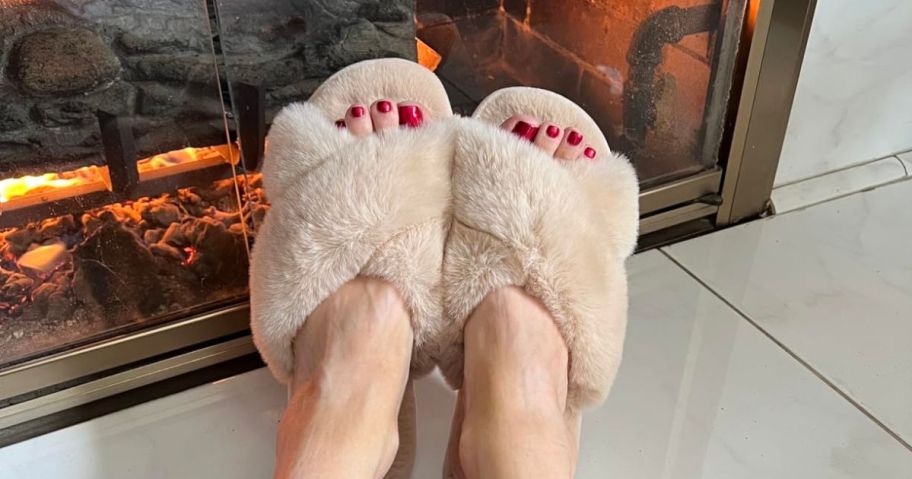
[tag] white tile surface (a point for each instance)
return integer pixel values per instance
(854, 96)
(701, 394)
(834, 284)
(838, 183)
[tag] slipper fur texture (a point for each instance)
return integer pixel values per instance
(559, 229)
(342, 207)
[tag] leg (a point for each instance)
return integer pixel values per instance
(515, 392)
(352, 365)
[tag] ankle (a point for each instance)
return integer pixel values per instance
(359, 337)
(514, 354)
(500, 445)
(363, 431)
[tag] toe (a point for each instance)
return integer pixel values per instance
(411, 115)
(548, 138)
(358, 121)
(523, 126)
(384, 115)
(589, 154)
(571, 146)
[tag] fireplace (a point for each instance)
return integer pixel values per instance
(655, 75)
(131, 134)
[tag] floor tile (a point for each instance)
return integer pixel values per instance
(701, 394)
(833, 283)
(837, 183)
(220, 430)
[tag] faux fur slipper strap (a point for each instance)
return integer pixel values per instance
(345, 206)
(559, 229)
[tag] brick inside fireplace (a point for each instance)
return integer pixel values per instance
(655, 74)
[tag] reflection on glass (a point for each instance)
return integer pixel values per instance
(655, 75)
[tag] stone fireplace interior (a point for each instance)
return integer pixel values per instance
(131, 130)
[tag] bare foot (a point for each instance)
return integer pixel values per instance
(351, 367)
(511, 418)
(351, 361)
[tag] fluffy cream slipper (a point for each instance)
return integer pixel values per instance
(559, 229)
(344, 206)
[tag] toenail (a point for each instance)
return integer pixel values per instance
(525, 130)
(552, 131)
(340, 123)
(410, 116)
(574, 138)
(384, 106)
(590, 153)
(357, 111)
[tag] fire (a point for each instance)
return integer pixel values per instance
(427, 56)
(159, 165)
(27, 185)
(164, 160)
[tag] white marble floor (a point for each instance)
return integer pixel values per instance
(777, 349)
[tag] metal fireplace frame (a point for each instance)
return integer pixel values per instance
(58, 385)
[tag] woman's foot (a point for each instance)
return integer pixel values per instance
(362, 120)
(512, 408)
(351, 367)
(515, 392)
(561, 142)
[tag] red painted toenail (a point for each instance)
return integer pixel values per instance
(552, 131)
(525, 130)
(384, 106)
(410, 116)
(340, 123)
(357, 111)
(590, 153)
(574, 138)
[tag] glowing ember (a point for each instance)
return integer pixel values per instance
(191, 253)
(427, 56)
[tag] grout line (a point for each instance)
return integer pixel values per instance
(840, 169)
(791, 353)
(866, 189)
(903, 163)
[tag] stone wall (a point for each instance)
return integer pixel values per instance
(61, 61)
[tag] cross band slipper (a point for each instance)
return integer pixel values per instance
(561, 230)
(343, 206)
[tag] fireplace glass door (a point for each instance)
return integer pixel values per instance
(655, 74)
(119, 206)
(131, 131)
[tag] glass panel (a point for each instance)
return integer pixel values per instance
(118, 204)
(284, 49)
(655, 74)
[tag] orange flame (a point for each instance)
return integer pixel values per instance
(28, 185)
(427, 56)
